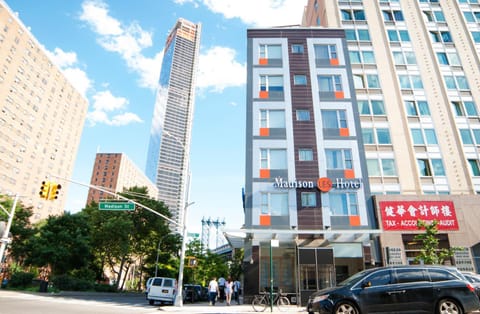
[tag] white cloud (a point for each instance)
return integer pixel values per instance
(218, 70)
(126, 40)
(263, 13)
(105, 103)
(79, 79)
(61, 58)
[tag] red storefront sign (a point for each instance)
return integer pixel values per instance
(403, 215)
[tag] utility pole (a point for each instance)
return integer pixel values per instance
(5, 240)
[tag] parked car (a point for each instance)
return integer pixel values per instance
(398, 289)
(161, 289)
(474, 279)
(194, 293)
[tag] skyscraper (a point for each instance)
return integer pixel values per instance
(170, 135)
(41, 119)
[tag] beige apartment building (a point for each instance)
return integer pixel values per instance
(416, 73)
(115, 172)
(41, 119)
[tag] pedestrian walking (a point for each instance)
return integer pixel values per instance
(213, 291)
(228, 290)
(221, 287)
(236, 291)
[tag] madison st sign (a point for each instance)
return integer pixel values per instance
(323, 184)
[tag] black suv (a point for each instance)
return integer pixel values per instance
(398, 289)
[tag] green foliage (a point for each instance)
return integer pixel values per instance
(430, 252)
(63, 243)
(70, 283)
(21, 280)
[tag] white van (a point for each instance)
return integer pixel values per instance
(161, 289)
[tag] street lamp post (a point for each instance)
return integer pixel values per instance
(179, 297)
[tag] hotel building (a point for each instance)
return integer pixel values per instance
(115, 172)
(41, 119)
(170, 135)
(307, 201)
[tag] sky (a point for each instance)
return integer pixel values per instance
(111, 51)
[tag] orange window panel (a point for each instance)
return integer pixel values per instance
(264, 173)
(263, 94)
(334, 61)
(354, 220)
(263, 61)
(264, 131)
(349, 173)
(265, 220)
(339, 95)
(344, 132)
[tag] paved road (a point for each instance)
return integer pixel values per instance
(12, 302)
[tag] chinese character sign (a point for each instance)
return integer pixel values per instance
(399, 215)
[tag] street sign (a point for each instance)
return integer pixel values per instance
(116, 206)
(193, 235)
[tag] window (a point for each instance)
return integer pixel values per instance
(309, 199)
(272, 85)
(474, 168)
(275, 204)
(325, 52)
(398, 36)
(422, 136)
(339, 159)
(466, 136)
(300, 79)
(416, 108)
(381, 167)
(357, 34)
(404, 58)
(329, 83)
(334, 119)
(410, 81)
(392, 16)
(353, 15)
(297, 48)
(376, 136)
(369, 107)
(273, 158)
(454, 82)
(370, 81)
(303, 115)
(272, 118)
(476, 37)
(432, 168)
(410, 275)
(465, 108)
(270, 52)
(344, 204)
(380, 278)
(440, 37)
(305, 154)
(434, 16)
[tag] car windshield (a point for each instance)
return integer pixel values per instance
(354, 278)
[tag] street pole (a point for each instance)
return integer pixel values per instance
(4, 238)
(271, 278)
(179, 297)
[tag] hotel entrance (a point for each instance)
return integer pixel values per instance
(316, 270)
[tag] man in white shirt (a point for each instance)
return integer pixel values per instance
(213, 291)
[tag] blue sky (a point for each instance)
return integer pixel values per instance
(111, 50)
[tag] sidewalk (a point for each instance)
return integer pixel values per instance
(220, 308)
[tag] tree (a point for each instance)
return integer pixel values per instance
(21, 230)
(122, 238)
(430, 252)
(63, 243)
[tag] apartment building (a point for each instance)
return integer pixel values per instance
(416, 74)
(115, 172)
(41, 119)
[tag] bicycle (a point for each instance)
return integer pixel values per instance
(262, 301)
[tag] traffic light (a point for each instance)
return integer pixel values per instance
(53, 195)
(44, 189)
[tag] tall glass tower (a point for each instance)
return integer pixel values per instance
(170, 135)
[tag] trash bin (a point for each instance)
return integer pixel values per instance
(43, 286)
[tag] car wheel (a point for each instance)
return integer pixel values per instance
(346, 307)
(151, 302)
(448, 306)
